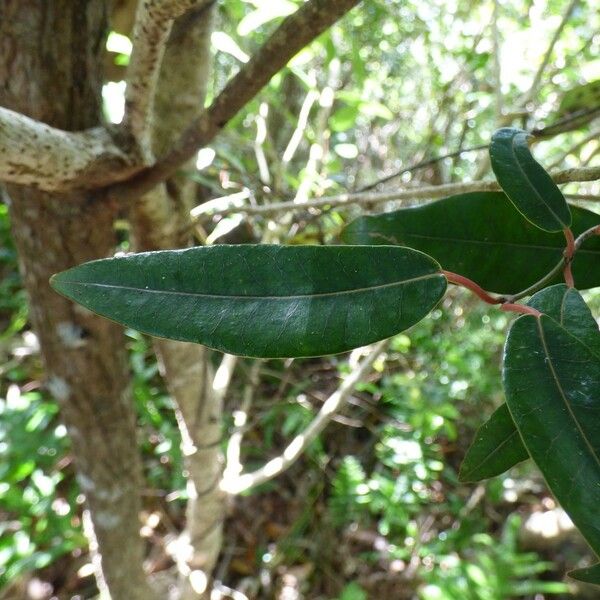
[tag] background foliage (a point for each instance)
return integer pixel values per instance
(374, 509)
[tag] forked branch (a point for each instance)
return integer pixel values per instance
(297, 31)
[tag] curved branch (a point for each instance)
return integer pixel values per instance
(430, 192)
(276, 466)
(35, 154)
(296, 32)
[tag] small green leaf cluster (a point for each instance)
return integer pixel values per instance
(299, 301)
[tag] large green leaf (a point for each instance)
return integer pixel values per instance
(525, 181)
(497, 445)
(262, 300)
(496, 448)
(552, 385)
(482, 236)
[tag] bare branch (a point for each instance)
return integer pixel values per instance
(35, 154)
(298, 445)
(421, 165)
(430, 192)
(297, 31)
(154, 20)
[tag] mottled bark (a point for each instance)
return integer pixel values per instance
(161, 220)
(50, 70)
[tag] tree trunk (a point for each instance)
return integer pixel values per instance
(161, 220)
(50, 69)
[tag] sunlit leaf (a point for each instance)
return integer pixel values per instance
(262, 300)
(525, 181)
(552, 385)
(482, 236)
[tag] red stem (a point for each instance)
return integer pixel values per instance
(569, 252)
(472, 286)
(521, 309)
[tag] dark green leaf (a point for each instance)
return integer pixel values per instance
(567, 307)
(496, 448)
(262, 300)
(525, 181)
(587, 575)
(483, 237)
(552, 386)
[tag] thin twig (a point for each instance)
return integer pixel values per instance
(426, 192)
(469, 284)
(233, 465)
(299, 444)
(420, 165)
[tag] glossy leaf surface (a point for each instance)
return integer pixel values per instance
(497, 446)
(483, 237)
(552, 385)
(529, 187)
(262, 300)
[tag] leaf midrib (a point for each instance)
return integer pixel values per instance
(484, 242)
(562, 393)
(252, 297)
(533, 187)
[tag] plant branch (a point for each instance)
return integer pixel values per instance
(296, 31)
(431, 192)
(153, 23)
(298, 445)
(35, 154)
(421, 165)
(469, 284)
(568, 255)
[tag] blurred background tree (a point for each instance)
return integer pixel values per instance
(394, 98)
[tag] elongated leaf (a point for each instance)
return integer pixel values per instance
(525, 181)
(496, 448)
(587, 575)
(482, 236)
(497, 445)
(552, 385)
(262, 300)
